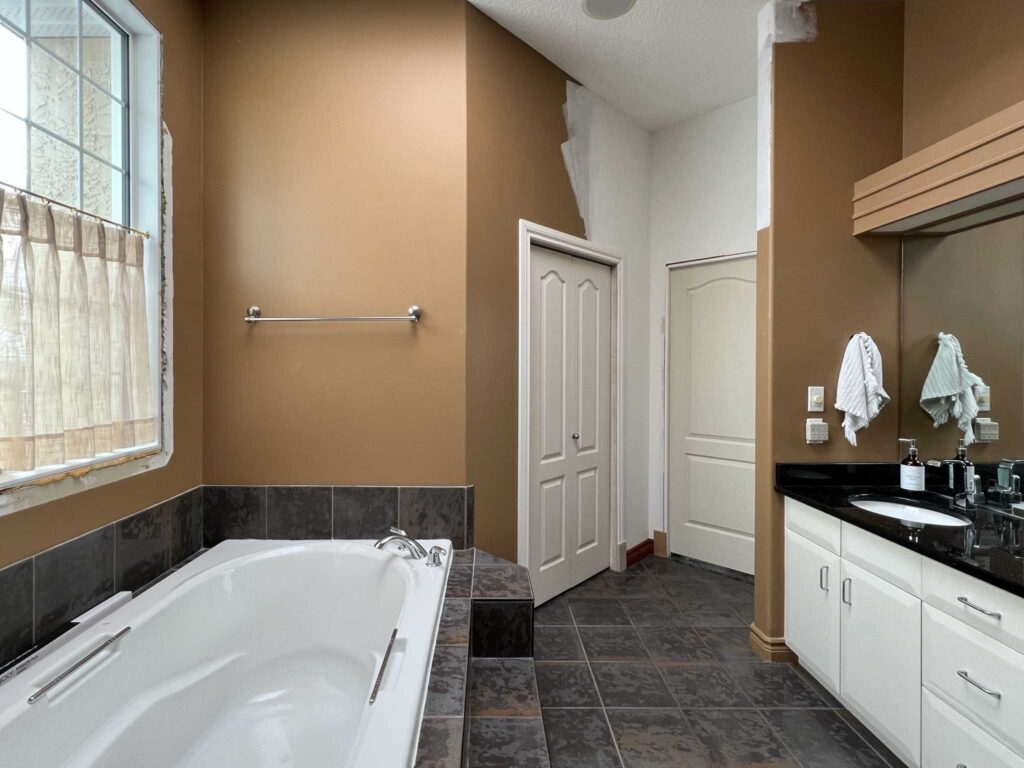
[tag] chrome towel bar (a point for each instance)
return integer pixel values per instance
(77, 665)
(255, 315)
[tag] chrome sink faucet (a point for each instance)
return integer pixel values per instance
(965, 487)
(407, 542)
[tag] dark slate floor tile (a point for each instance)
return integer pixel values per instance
(71, 579)
(654, 612)
(657, 738)
(579, 738)
(502, 628)
(830, 700)
(440, 744)
(554, 613)
(15, 610)
(598, 612)
(774, 685)
(460, 581)
(631, 684)
(675, 644)
(142, 544)
(612, 644)
(463, 557)
(434, 513)
(501, 582)
(486, 558)
(633, 582)
(454, 626)
(185, 513)
(556, 644)
(299, 512)
(364, 512)
(819, 738)
(566, 684)
(739, 739)
(234, 512)
(714, 616)
(729, 643)
(890, 759)
(446, 694)
(702, 685)
(517, 742)
(503, 688)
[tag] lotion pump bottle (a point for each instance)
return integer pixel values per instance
(911, 468)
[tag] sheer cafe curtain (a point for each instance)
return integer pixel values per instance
(75, 379)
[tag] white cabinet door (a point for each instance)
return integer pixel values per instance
(950, 739)
(880, 678)
(812, 607)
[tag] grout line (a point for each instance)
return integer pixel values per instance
(779, 738)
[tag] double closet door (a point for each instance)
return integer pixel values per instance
(570, 420)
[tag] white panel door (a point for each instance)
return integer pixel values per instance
(570, 421)
(711, 412)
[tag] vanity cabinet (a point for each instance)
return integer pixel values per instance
(929, 658)
(880, 651)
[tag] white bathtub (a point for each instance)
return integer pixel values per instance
(259, 654)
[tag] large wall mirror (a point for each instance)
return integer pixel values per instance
(969, 284)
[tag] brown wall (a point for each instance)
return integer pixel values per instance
(971, 285)
(25, 533)
(964, 62)
(836, 114)
(515, 129)
(335, 148)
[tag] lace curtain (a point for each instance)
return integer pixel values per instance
(75, 379)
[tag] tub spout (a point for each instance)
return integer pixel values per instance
(397, 534)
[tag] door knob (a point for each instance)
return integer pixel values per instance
(575, 435)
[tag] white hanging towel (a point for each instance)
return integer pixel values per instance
(860, 392)
(949, 389)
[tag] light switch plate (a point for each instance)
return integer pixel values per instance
(816, 431)
(983, 394)
(815, 399)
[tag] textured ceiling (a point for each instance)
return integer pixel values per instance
(663, 62)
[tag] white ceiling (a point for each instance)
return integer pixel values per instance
(663, 62)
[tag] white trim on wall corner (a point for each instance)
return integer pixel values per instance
(531, 234)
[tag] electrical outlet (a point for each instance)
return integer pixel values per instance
(816, 431)
(815, 399)
(986, 430)
(983, 395)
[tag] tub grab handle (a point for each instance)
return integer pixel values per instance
(383, 666)
(77, 665)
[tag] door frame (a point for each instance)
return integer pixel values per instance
(667, 371)
(531, 234)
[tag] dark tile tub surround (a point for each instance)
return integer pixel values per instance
(41, 595)
(299, 511)
(828, 487)
(364, 512)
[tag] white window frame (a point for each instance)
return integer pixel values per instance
(146, 159)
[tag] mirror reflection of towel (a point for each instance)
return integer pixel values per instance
(949, 389)
(860, 392)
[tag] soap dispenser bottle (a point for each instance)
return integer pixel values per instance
(911, 468)
(962, 482)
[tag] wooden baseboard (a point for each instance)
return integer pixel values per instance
(635, 554)
(660, 544)
(770, 648)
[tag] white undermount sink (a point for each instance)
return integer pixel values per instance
(909, 512)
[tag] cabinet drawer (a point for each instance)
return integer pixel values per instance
(824, 530)
(973, 602)
(898, 565)
(959, 664)
(949, 739)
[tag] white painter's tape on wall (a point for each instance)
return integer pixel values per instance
(578, 111)
(780, 21)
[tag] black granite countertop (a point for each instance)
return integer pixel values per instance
(828, 487)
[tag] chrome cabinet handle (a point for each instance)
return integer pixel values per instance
(994, 614)
(823, 578)
(994, 694)
(77, 665)
(846, 593)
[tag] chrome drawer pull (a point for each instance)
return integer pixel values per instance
(77, 665)
(823, 578)
(994, 614)
(994, 694)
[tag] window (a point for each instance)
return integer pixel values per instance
(81, 298)
(63, 96)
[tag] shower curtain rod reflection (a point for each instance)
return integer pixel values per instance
(255, 315)
(52, 201)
